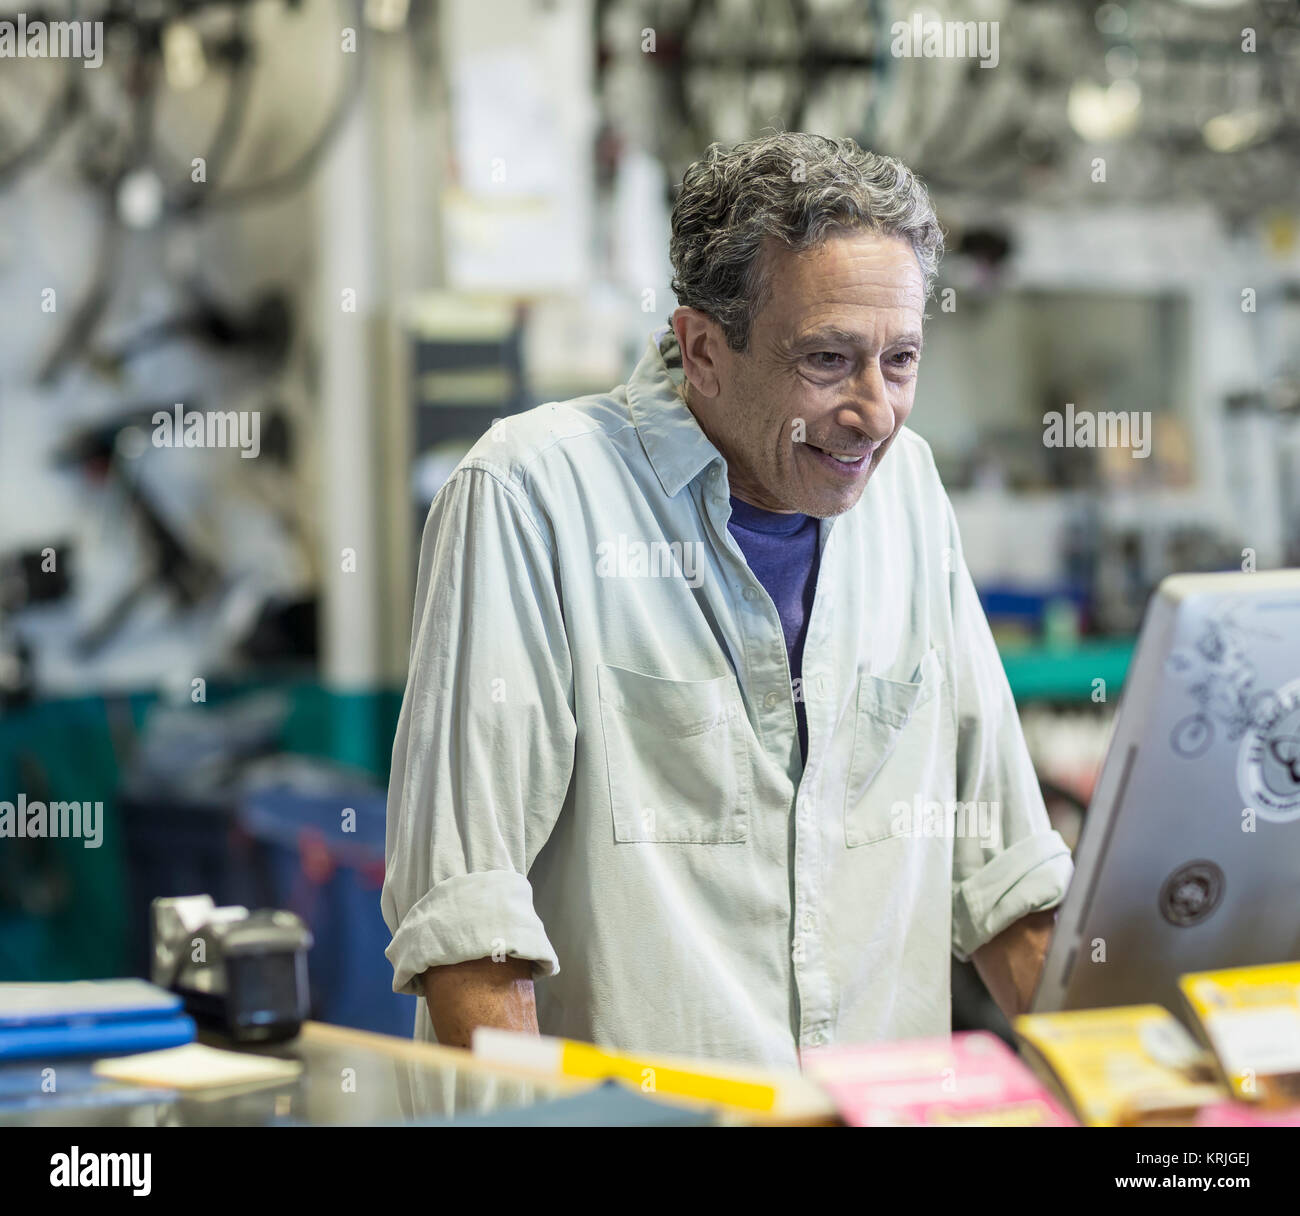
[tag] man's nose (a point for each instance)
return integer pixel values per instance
(866, 406)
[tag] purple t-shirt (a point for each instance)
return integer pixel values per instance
(782, 551)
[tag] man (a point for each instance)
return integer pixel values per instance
(706, 747)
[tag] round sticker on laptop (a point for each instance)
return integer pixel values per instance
(1268, 766)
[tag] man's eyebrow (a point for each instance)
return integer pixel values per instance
(831, 334)
(846, 337)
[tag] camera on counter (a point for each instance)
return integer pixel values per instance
(239, 972)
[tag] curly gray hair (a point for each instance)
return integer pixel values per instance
(796, 188)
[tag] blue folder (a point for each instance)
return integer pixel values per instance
(89, 1017)
(95, 1038)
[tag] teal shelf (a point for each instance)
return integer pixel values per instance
(70, 749)
(1066, 673)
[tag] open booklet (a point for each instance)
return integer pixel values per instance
(1126, 1066)
(1250, 1018)
(1138, 1064)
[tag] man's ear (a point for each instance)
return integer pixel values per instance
(702, 344)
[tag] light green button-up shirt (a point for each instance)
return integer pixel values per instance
(597, 765)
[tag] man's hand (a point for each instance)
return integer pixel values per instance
(480, 993)
(1010, 964)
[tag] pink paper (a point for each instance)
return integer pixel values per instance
(970, 1078)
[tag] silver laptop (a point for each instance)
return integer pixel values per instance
(1190, 853)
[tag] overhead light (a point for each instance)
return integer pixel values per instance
(183, 59)
(140, 199)
(1111, 19)
(386, 16)
(1121, 61)
(131, 442)
(1234, 131)
(1098, 114)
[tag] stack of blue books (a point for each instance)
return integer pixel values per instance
(89, 1017)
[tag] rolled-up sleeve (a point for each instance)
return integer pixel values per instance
(483, 753)
(1024, 866)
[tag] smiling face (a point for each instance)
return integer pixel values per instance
(830, 371)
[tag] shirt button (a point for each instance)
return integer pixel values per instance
(770, 700)
(750, 593)
(719, 501)
(817, 1038)
(809, 922)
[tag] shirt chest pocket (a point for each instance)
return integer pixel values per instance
(676, 754)
(903, 749)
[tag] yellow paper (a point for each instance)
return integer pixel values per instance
(584, 1060)
(195, 1066)
(1133, 1064)
(1251, 1017)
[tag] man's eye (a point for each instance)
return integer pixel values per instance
(904, 358)
(828, 360)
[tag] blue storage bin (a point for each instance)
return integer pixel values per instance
(332, 879)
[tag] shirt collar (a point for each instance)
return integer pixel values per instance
(673, 440)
